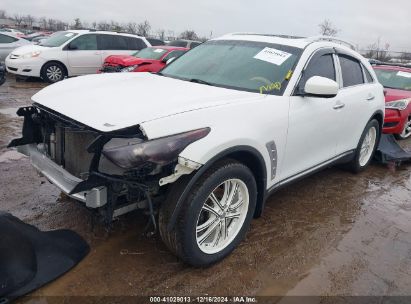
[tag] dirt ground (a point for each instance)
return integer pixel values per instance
(334, 233)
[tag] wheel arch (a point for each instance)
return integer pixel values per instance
(247, 155)
(379, 116)
(54, 61)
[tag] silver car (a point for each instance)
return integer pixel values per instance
(8, 43)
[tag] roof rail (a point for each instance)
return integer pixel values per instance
(332, 39)
(268, 35)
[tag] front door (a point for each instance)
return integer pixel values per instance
(84, 56)
(314, 122)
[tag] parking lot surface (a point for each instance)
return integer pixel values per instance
(333, 233)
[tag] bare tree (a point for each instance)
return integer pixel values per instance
(405, 57)
(327, 28)
(51, 24)
(29, 20)
(161, 34)
(377, 51)
(103, 26)
(116, 27)
(18, 19)
(43, 22)
(3, 14)
(143, 28)
(77, 24)
(189, 35)
(94, 25)
(131, 27)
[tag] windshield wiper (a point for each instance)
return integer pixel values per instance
(196, 80)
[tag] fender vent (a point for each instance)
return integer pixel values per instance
(272, 151)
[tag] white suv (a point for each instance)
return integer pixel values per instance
(202, 144)
(71, 53)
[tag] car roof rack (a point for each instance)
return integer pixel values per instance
(331, 39)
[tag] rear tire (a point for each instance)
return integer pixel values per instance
(53, 72)
(214, 217)
(367, 145)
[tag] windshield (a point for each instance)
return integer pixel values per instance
(150, 53)
(58, 39)
(394, 79)
(243, 65)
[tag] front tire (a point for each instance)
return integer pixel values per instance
(53, 72)
(214, 217)
(366, 147)
(406, 132)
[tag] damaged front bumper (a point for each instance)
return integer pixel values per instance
(66, 182)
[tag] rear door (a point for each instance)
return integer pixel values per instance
(358, 99)
(83, 55)
(119, 45)
(314, 122)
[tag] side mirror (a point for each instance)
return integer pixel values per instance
(323, 87)
(170, 60)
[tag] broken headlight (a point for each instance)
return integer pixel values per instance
(161, 151)
(129, 69)
(401, 104)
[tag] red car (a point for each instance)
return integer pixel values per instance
(151, 59)
(397, 84)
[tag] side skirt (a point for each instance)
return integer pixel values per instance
(339, 159)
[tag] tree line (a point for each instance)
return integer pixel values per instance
(144, 28)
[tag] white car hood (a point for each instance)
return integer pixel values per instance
(28, 49)
(108, 102)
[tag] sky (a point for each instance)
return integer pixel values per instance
(361, 22)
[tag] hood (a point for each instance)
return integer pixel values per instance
(394, 94)
(28, 49)
(113, 101)
(126, 60)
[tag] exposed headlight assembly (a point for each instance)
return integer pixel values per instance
(401, 104)
(129, 69)
(161, 151)
(31, 55)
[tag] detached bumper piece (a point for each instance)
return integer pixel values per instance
(30, 258)
(390, 151)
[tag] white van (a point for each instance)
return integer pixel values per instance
(71, 53)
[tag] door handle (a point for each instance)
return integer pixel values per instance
(338, 106)
(371, 97)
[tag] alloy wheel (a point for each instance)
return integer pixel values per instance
(367, 146)
(222, 216)
(406, 132)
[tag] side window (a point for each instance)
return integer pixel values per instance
(84, 43)
(194, 44)
(351, 71)
(135, 43)
(321, 65)
(7, 39)
(368, 76)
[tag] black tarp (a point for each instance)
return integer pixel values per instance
(30, 258)
(390, 151)
(2, 74)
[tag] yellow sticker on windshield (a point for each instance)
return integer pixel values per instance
(289, 74)
(275, 86)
